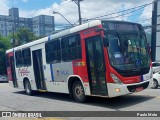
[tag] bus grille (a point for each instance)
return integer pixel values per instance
(133, 87)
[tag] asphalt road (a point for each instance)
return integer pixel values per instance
(12, 99)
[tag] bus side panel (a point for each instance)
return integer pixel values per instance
(61, 72)
(56, 75)
(80, 68)
(22, 73)
(59, 87)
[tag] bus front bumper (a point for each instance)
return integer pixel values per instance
(115, 90)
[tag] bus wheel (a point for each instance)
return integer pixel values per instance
(155, 84)
(78, 92)
(28, 88)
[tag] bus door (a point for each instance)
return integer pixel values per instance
(38, 69)
(13, 72)
(96, 65)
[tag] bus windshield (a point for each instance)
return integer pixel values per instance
(128, 50)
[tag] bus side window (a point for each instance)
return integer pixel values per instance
(53, 51)
(71, 48)
(19, 58)
(26, 57)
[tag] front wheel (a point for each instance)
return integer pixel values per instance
(28, 88)
(78, 92)
(155, 84)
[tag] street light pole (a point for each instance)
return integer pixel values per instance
(63, 17)
(79, 10)
(13, 40)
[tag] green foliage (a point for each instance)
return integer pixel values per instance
(23, 36)
(4, 45)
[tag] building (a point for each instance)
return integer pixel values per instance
(41, 25)
(155, 43)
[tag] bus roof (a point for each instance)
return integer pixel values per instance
(60, 34)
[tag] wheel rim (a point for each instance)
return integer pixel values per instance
(28, 88)
(79, 91)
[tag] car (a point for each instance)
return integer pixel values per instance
(156, 80)
(3, 78)
(155, 67)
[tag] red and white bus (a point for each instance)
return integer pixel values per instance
(99, 58)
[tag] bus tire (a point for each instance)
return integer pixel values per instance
(78, 92)
(28, 88)
(155, 84)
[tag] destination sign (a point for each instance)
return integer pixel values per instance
(121, 26)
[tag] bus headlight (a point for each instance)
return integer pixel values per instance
(116, 79)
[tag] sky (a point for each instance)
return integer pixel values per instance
(89, 9)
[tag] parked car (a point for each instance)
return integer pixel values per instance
(155, 67)
(156, 80)
(3, 78)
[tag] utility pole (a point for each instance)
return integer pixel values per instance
(79, 10)
(154, 30)
(13, 39)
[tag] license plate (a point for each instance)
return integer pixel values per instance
(139, 89)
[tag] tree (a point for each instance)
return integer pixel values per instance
(4, 45)
(24, 35)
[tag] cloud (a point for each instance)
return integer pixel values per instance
(4, 7)
(89, 9)
(145, 17)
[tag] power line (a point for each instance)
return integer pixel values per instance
(144, 20)
(124, 14)
(151, 26)
(63, 6)
(137, 14)
(138, 7)
(133, 10)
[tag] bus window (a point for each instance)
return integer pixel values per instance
(19, 59)
(26, 57)
(53, 51)
(71, 48)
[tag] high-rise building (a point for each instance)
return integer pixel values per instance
(41, 25)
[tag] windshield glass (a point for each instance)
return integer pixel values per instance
(128, 50)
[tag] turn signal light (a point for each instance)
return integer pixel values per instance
(118, 90)
(79, 63)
